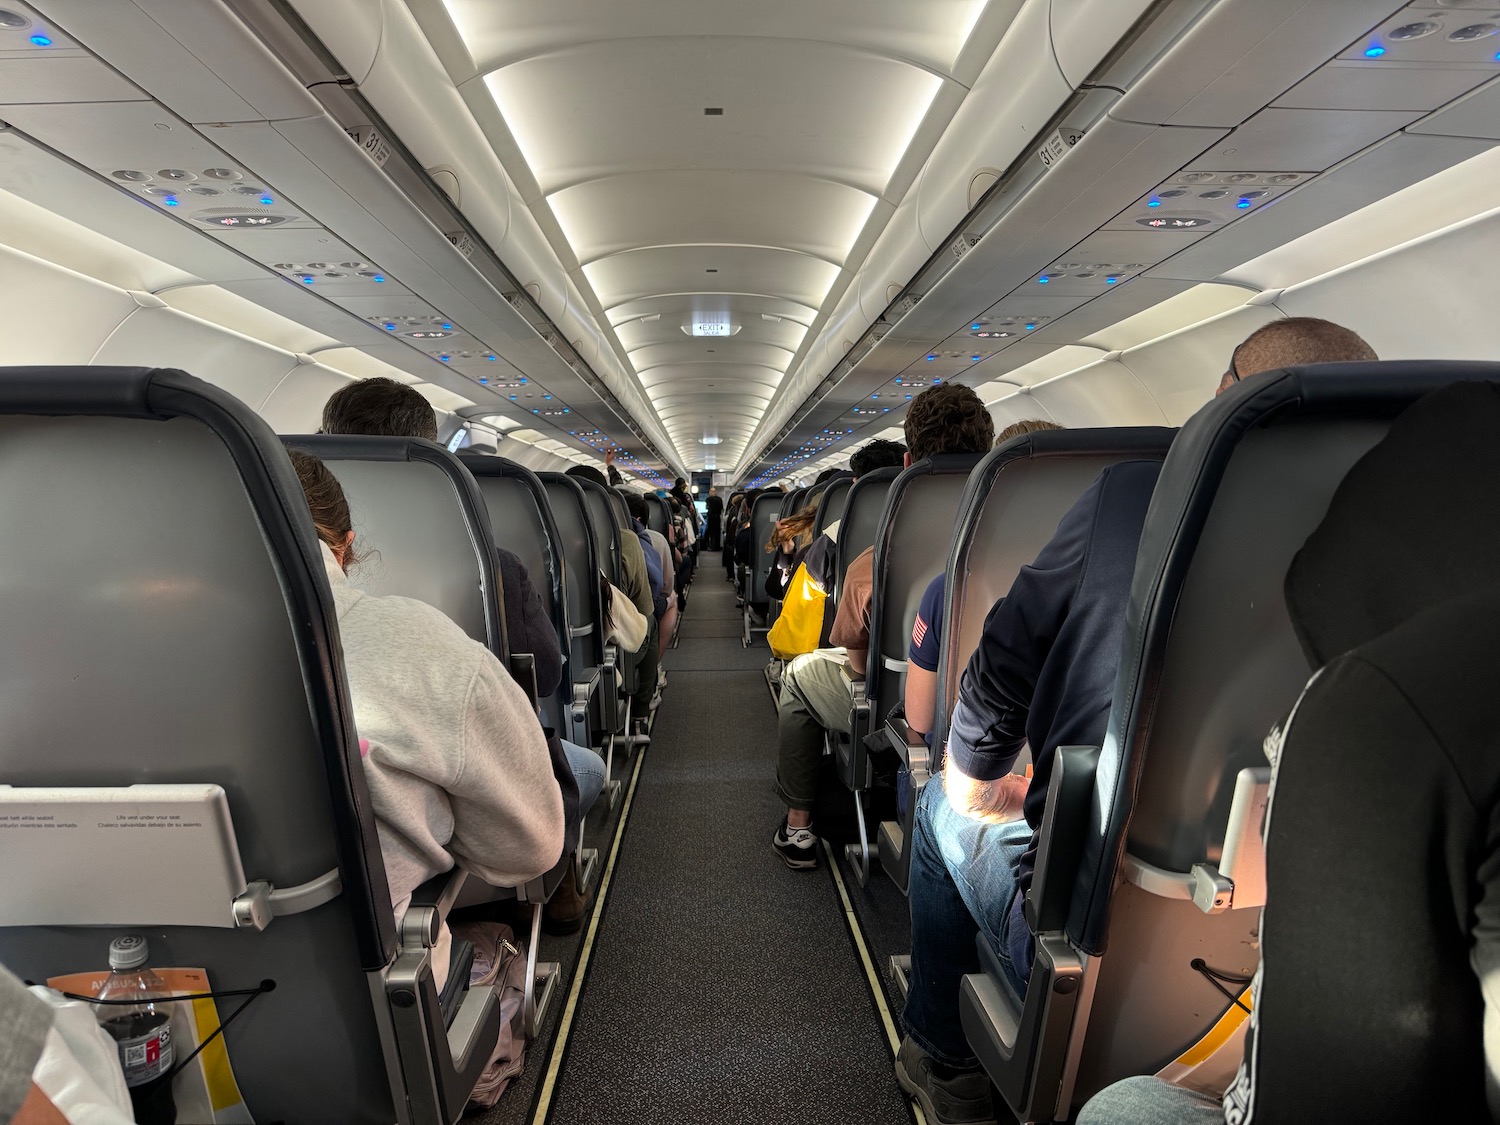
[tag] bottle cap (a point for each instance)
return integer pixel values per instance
(128, 952)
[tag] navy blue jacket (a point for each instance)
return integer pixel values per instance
(1044, 670)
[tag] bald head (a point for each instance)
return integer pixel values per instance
(1293, 342)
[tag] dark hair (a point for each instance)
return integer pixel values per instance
(878, 454)
(588, 472)
(379, 408)
(1025, 426)
(326, 502)
(635, 504)
(948, 418)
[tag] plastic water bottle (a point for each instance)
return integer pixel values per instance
(141, 1029)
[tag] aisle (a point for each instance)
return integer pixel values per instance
(722, 987)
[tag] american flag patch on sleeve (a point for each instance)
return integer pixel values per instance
(918, 632)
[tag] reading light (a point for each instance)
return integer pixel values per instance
(1154, 203)
(1242, 204)
(267, 200)
(377, 277)
(40, 41)
(1043, 280)
(1374, 51)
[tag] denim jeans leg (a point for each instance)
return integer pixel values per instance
(963, 880)
(588, 771)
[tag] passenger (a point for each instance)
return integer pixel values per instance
(715, 521)
(1393, 597)
(927, 629)
(1043, 674)
(804, 621)
(790, 540)
(948, 418)
(635, 581)
(457, 765)
(385, 408)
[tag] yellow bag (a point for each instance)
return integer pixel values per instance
(799, 628)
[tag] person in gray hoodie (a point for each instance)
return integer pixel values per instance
(456, 762)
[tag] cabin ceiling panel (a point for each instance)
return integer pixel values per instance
(681, 306)
(720, 374)
(691, 352)
(637, 104)
(930, 33)
(1377, 85)
(755, 208)
(750, 328)
(711, 269)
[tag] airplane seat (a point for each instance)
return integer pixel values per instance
(520, 521)
(911, 545)
(617, 506)
(763, 516)
(169, 627)
(1010, 508)
(864, 504)
(792, 502)
(658, 515)
(424, 519)
(420, 514)
(613, 714)
(1153, 866)
(831, 503)
(590, 654)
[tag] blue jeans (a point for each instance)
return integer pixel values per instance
(963, 882)
(588, 771)
(1150, 1101)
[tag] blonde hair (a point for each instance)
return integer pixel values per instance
(1028, 426)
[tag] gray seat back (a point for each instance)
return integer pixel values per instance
(658, 517)
(763, 517)
(581, 569)
(791, 503)
(168, 620)
(911, 545)
(521, 522)
(831, 503)
(606, 529)
(863, 508)
(1009, 512)
(419, 513)
(617, 506)
(1209, 666)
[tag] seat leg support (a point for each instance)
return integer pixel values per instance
(541, 978)
(858, 854)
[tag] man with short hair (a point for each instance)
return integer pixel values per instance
(1292, 342)
(1043, 674)
(947, 418)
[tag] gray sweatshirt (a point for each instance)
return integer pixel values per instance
(455, 758)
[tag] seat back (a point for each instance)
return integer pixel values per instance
(911, 546)
(168, 620)
(763, 517)
(1014, 500)
(520, 520)
(581, 566)
(658, 515)
(419, 513)
(617, 506)
(831, 503)
(1209, 665)
(791, 503)
(606, 529)
(863, 508)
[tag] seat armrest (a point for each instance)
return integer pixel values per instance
(912, 749)
(523, 671)
(429, 907)
(585, 688)
(1064, 829)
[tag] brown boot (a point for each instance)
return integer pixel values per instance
(564, 911)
